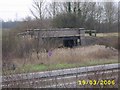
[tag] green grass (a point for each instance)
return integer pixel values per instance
(42, 67)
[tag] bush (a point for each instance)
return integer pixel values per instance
(110, 42)
(8, 44)
(66, 21)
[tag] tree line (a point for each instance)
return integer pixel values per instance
(101, 16)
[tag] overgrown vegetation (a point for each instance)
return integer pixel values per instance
(66, 58)
(88, 15)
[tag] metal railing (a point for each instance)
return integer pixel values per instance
(63, 72)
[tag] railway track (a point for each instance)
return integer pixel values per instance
(70, 78)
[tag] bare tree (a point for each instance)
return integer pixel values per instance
(99, 11)
(109, 8)
(38, 12)
(52, 9)
(119, 16)
(38, 8)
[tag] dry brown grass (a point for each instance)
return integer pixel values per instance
(74, 55)
(78, 55)
(109, 41)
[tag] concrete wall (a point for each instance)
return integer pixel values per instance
(58, 33)
(82, 38)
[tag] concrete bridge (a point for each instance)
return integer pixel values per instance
(69, 37)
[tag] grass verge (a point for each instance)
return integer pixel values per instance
(42, 67)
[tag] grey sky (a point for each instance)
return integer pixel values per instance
(14, 9)
(17, 9)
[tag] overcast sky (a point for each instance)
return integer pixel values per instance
(15, 9)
